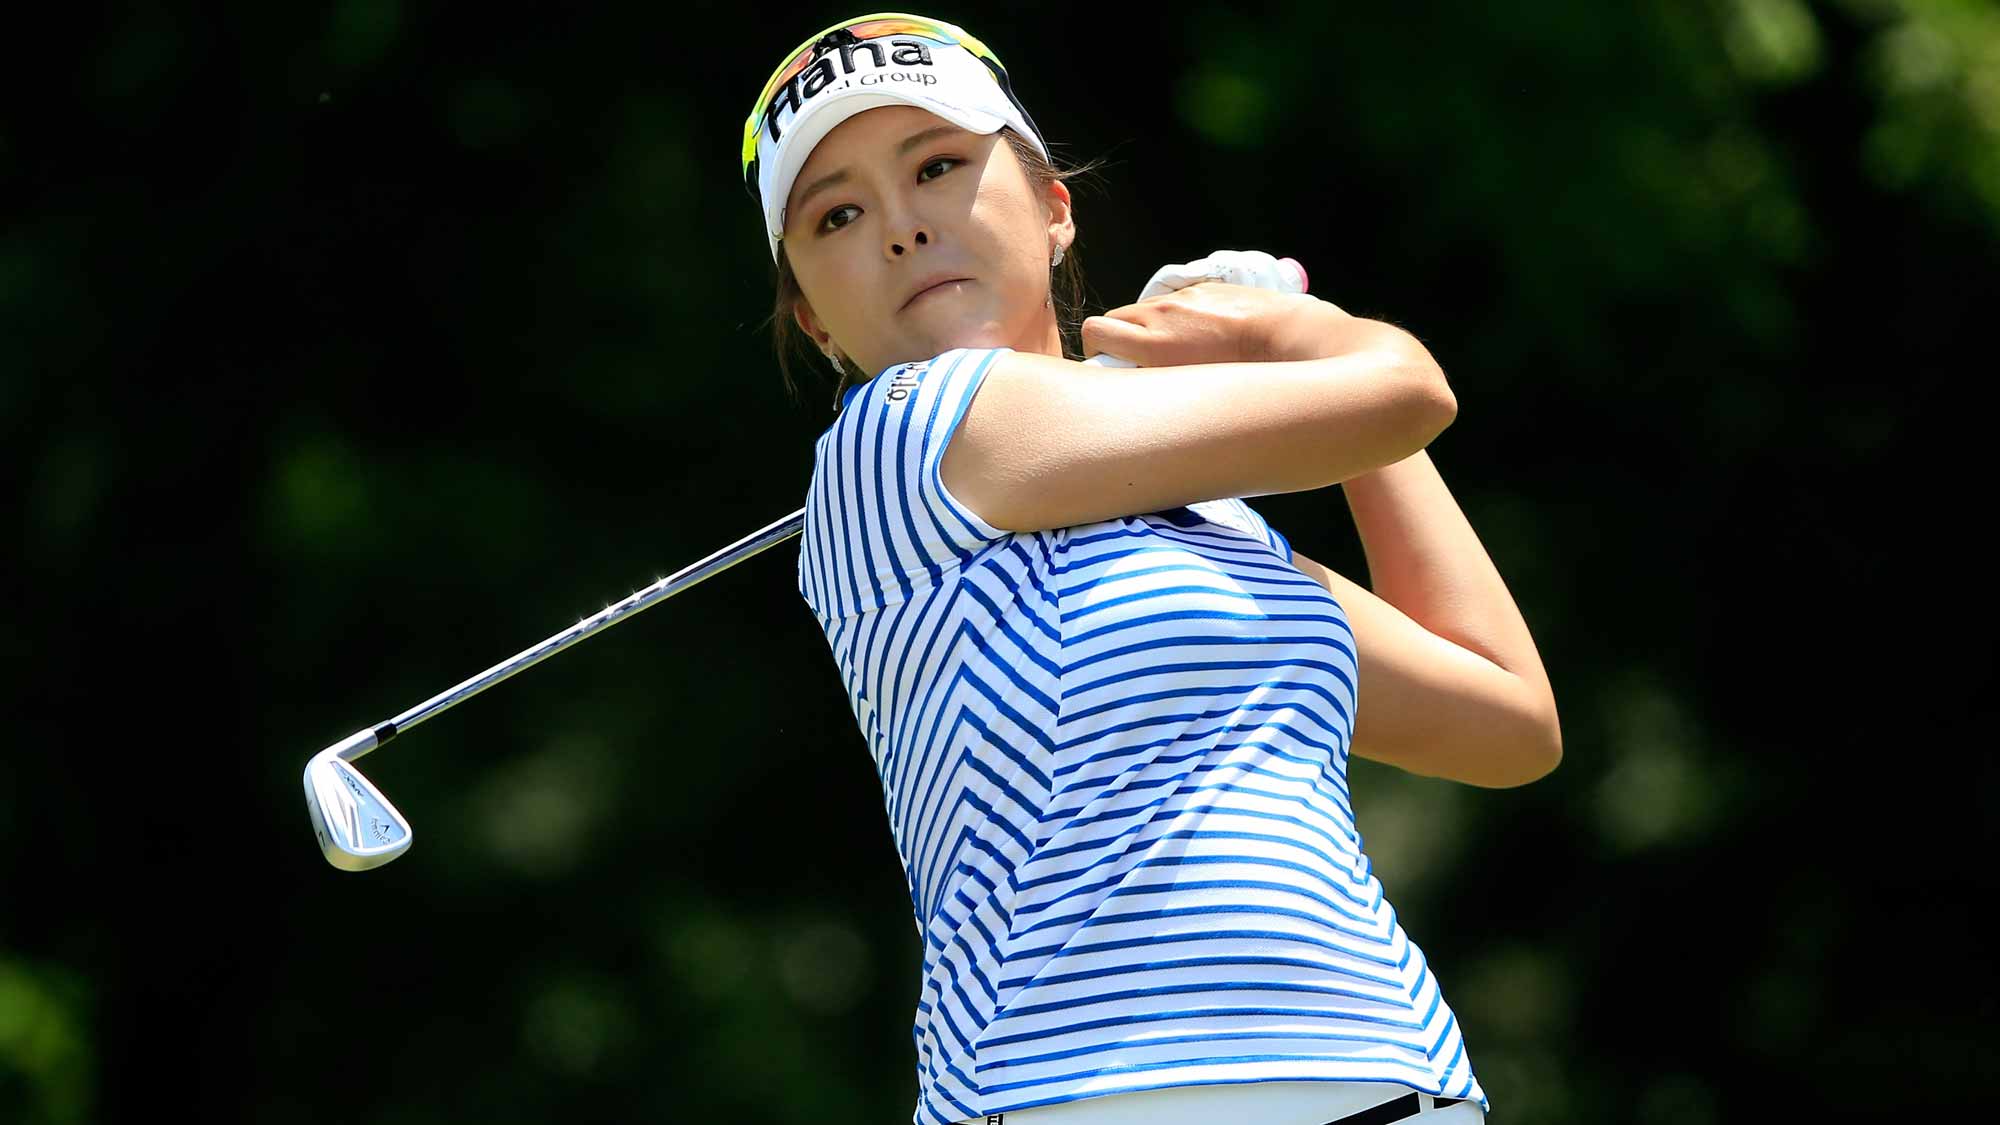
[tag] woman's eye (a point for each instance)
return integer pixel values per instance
(936, 168)
(839, 217)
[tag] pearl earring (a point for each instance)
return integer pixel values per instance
(1058, 256)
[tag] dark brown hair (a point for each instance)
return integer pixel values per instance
(790, 341)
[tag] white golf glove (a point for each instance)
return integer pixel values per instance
(1235, 267)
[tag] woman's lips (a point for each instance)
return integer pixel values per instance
(934, 287)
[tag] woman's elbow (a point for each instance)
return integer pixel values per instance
(1541, 758)
(1533, 754)
(1425, 404)
(1438, 404)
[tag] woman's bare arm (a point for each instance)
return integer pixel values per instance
(1051, 443)
(1451, 684)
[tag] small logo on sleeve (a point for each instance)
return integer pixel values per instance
(905, 380)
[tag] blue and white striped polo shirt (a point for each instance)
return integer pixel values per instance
(1114, 758)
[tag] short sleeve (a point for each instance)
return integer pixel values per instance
(880, 523)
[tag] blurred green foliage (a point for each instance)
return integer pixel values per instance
(347, 349)
(46, 1061)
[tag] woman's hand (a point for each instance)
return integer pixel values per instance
(1214, 322)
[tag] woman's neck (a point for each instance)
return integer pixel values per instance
(1043, 337)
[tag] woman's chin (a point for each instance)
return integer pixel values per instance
(964, 330)
(939, 329)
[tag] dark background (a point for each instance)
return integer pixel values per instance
(346, 349)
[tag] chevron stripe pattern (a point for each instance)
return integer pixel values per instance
(1114, 761)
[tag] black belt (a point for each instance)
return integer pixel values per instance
(1395, 1109)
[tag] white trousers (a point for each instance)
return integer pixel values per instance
(1248, 1103)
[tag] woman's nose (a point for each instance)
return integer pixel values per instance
(902, 243)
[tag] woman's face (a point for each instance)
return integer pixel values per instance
(910, 236)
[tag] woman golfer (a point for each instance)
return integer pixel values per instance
(1111, 709)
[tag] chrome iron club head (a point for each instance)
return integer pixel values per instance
(357, 826)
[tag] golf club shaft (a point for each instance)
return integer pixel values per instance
(361, 742)
(1258, 270)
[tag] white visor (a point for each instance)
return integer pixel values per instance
(864, 64)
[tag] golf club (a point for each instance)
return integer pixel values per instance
(357, 826)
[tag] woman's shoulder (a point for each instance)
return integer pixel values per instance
(876, 478)
(914, 405)
(899, 382)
